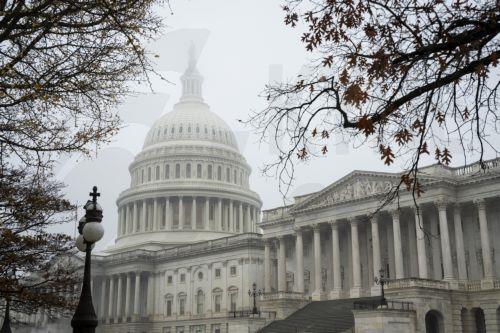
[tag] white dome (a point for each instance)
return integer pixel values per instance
(190, 121)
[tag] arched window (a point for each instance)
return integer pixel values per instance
(167, 171)
(228, 175)
(188, 170)
(149, 174)
(169, 300)
(434, 322)
(177, 170)
(198, 171)
(217, 294)
(209, 171)
(479, 320)
(157, 172)
(182, 303)
(233, 297)
(219, 173)
(200, 300)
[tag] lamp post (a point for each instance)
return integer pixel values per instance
(254, 293)
(381, 280)
(90, 230)
(6, 320)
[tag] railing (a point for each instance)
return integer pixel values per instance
(476, 167)
(283, 295)
(416, 282)
(276, 213)
(381, 305)
(251, 314)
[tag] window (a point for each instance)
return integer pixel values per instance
(179, 329)
(200, 275)
(167, 171)
(233, 270)
(219, 173)
(228, 175)
(188, 170)
(182, 305)
(241, 178)
(209, 172)
(183, 278)
(149, 174)
(233, 298)
(166, 330)
(217, 301)
(169, 279)
(169, 307)
(217, 273)
(177, 170)
(235, 178)
(142, 176)
(157, 172)
(200, 299)
(198, 171)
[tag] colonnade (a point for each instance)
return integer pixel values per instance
(398, 261)
(187, 213)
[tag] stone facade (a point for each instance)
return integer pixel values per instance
(437, 251)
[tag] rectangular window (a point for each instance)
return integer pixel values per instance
(177, 171)
(169, 307)
(217, 273)
(217, 300)
(233, 301)
(182, 304)
(209, 172)
(198, 171)
(183, 278)
(233, 270)
(188, 171)
(167, 171)
(169, 279)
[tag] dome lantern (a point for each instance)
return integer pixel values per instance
(191, 80)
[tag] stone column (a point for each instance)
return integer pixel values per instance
(267, 266)
(281, 264)
(421, 250)
(489, 274)
(135, 213)
(398, 249)
(181, 213)
(151, 293)
(445, 240)
(111, 297)
(356, 263)
(193, 214)
(155, 224)
(240, 218)
(129, 226)
(103, 298)
(317, 293)
(219, 214)
(168, 214)
(144, 222)
(337, 283)
(231, 217)
(119, 303)
(128, 295)
(299, 257)
(248, 223)
(377, 266)
(137, 295)
(459, 242)
(207, 213)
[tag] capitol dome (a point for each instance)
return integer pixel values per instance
(189, 183)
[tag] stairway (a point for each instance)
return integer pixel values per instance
(319, 317)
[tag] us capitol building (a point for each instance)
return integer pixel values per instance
(188, 247)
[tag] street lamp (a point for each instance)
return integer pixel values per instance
(254, 293)
(381, 280)
(91, 231)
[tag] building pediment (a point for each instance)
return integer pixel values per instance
(356, 185)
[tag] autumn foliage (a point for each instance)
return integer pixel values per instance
(409, 77)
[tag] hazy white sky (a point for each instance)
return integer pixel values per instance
(237, 41)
